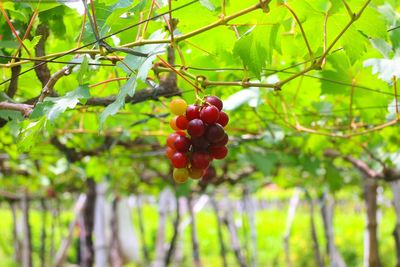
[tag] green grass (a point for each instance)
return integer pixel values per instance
(349, 233)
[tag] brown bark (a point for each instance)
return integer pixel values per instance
(54, 217)
(370, 187)
(115, 246)
(327, 209)
(13, 86)
(317, 252)
(396, 231)
(195, 239)
(230, 224)
(88, 219)
(26, 242)
(175, 235)
(42, 71)
(250, 211)
(43, 233)
(66, 242)
(219, 230)
(396, 236)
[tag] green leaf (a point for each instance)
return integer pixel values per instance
(60, 104)
(8, 44)
(41, 109)
(54, 19)
(251, 49)
(320, 5)
(328, 85)
(372, 23)
(30, 44)
(128, 88)
(30, 134)
(121, 7)
(83, 68)
(264, 163)
(333, 177)
(354, 44)
(143, 65)
(183, 190)
(9, 115)
(338, 71)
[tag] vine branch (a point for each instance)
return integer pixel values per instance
(301, 29)
(25, 109)
(48, 88)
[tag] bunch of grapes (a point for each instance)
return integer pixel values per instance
(199, 137)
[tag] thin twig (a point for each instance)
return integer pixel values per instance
(34, 15)
(325, 37)
(178, 72)
(352, 20)
(148, 18)
(351, 105)
(301, 29)
(82, 28)
(96, 28)
(206, 83)
(301, 128)
(109, 80)
(221, 21)
(13, 29)
(139, 27)
(91, 20)
(395, 95)
(75, 50)
(351, 14)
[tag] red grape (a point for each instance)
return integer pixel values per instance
(223, 141)
(214, 133)
(215, 101)
(209, 114)
(170, 152)
(181, 122)
(200, 160)
(171, 138)
(192, 155)
(196, 127)
(182, 144)
(209, 174)
(192, 112)
(179, 160)
(223, 119)
(218, 152)
(199, 143)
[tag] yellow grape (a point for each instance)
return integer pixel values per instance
(196, 173)
(181, 175)
(178, 106)
(172, 123)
